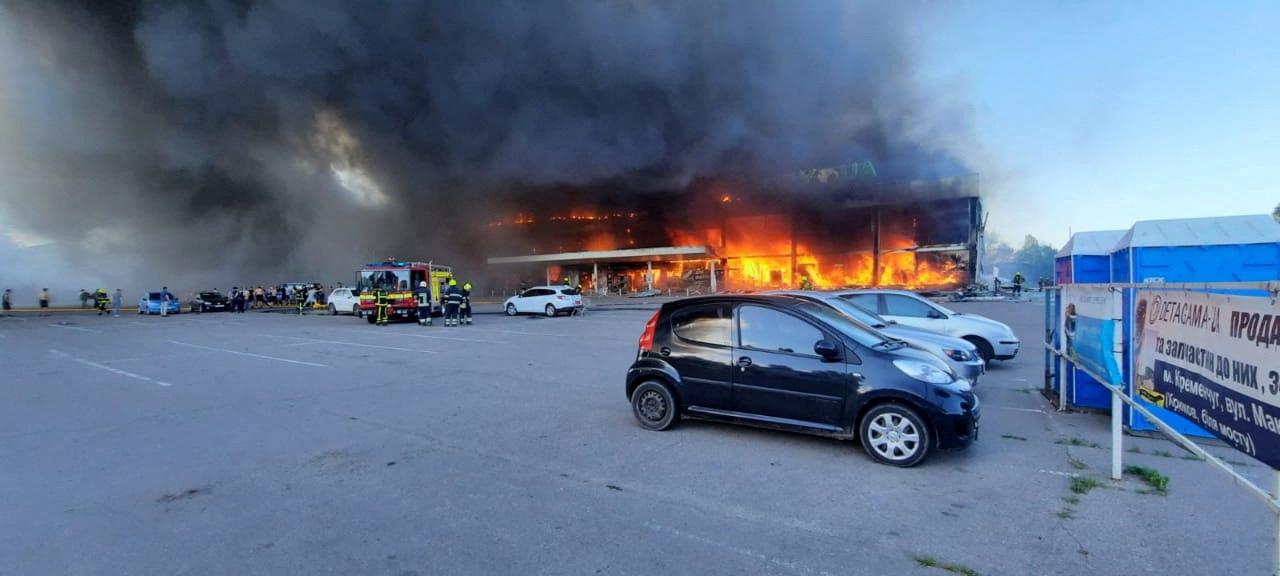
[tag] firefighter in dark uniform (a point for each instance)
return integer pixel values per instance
(1017, 284)
(300, 297)
(465, 313)
(380, 306)
(422, 295)
(101, 300)
(452, 303)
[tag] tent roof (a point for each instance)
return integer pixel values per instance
(1091, 243)
(1216, 231)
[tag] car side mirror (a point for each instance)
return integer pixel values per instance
(935, 314)
(827, 349)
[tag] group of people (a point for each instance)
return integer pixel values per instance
(98, 299)
(455, 301)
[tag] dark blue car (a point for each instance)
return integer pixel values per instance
(787, 363)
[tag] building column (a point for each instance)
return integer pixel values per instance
(648, 276)
(548, 269)
(595, 277)
(712, 263)
(875, 250)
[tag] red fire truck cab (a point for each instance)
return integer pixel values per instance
(400, 279)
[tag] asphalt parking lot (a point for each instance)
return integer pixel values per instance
(269, 443)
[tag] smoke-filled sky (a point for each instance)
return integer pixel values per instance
(219, 142)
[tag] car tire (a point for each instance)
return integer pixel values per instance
(371, 318)
(511, 309)
(895, 434)
(654, 406)
(985, 351)
(355, 310)
(550, 310)
(333, 310)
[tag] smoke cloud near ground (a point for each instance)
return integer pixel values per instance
(202, 144)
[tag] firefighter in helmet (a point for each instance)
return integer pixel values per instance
(422, 295)
(380, 306)
(465, 313)
(1017, 284)
(101, 300)
(452, 303)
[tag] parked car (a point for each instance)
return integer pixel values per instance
(546, 300)
(212, 301)
(150, 304)
(343, 301)
(786, 363)
(994, 340)
(960, 354)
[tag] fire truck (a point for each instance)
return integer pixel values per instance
(400, 279)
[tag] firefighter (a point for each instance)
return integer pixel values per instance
(423, 296)
(300, 298)
(806, 283)
(380, 305)
(1017, 284)
(466, 304)
(101, 300)
(452, 302)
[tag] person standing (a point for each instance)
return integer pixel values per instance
(8, 301)
(44, 297)
(164, 302)
(1017, 284)
(116, 300)
(452, 303)
(422, 295)
(381, 304)
(465, 312)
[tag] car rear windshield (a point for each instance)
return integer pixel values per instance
(862, 334)
(153, 296)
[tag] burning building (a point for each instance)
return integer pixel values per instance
(726, 235)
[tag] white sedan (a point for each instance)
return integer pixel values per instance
(344, 301)
(994, 340)
(546, 300)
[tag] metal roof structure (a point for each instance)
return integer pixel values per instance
(637, 255)
(1098, 243)
(1214, 231)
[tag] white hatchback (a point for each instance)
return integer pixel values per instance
(344, 301)
(546, 300)
(994, 340)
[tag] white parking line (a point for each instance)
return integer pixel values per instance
(75, 328)
(107, 368)
(239, 353)
(439, 337)
(1057, 473)
(340, 343)
(992, 406)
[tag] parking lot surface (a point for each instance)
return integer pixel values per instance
(270, 443)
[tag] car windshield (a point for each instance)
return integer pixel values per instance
(210, 295)
(153, 296)
(853, 311)
(861, 333)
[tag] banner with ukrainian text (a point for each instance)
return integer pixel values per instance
(1215, 360)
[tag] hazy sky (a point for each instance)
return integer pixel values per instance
(1091, 115)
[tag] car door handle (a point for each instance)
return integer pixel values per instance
(664, 351)
(743, 362)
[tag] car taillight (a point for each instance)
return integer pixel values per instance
(561, 298)
(646, 338)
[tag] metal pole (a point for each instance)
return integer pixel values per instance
(1117, 436)
(1275, 493)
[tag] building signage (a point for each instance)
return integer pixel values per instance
(1215, 360)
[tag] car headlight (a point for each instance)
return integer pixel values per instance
(923, 371)
(958, 354)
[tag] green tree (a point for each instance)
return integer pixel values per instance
(1034, 259)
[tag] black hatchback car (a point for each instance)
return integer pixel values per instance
(211, 301)
(785, 363)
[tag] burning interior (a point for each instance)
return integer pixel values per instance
(725, 236)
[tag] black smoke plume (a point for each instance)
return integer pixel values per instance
(220, 142)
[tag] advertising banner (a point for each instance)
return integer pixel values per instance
(1215, 360)
(1089, 330)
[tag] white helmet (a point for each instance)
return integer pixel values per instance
(422, 284)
